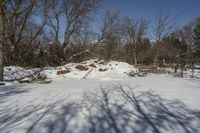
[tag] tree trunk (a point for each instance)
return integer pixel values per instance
(156, 54)
(135, 59)
(156, 60)
(135, 55)
(1, 42)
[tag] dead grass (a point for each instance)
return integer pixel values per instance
(59, 72)
(92, 65)
(81, 68)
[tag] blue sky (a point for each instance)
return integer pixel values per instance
(187, 10)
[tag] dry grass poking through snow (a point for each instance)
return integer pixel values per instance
(81, 68)
(65, 71)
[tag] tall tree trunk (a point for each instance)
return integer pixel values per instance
(135, 58)
(135, 55)
(157, 52)
(1, 41)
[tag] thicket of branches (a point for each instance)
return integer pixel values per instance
(38, 33)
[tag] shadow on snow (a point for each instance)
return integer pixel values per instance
(116, 110)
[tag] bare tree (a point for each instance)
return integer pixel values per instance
(2, 15)
(186, 36)
(22, 29)
(56, 10)
(110, 33)
(75, 15)
(164, 25)
(135, 31)
(197, 39)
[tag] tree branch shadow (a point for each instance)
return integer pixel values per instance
(9, 91)
(36, 115)
(142, 113)
(116, 110)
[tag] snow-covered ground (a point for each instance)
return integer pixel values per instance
(101, 101)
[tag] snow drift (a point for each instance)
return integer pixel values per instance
(91, 69)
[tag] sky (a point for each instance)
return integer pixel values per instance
(186, 10)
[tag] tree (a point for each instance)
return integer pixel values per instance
(197, 40)
(164, 25)
(187, 36)
(2, 15)
(173, 47)
(75, 15)
(134, 31)
(22, 30)
(110, 33)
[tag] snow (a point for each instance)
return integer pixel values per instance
(72, 103)
(113, 69)
(14, 72)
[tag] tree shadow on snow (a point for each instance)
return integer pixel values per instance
(54, 117)
(142, 113)
(11, 90)
(36, 115)
(116, 110)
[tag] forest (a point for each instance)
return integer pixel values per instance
(38, 33)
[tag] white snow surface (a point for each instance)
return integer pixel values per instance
(69, 104)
